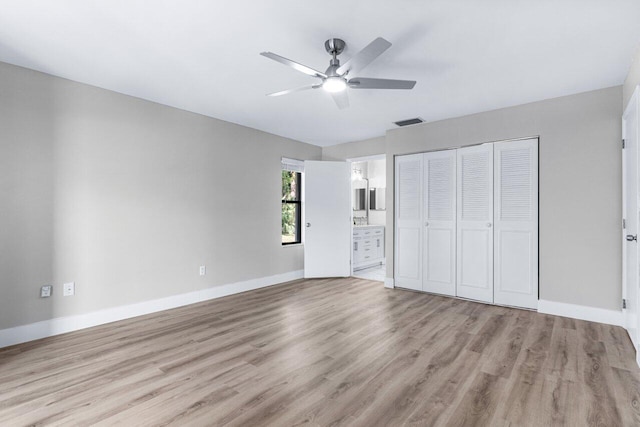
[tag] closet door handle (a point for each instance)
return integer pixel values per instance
(631, 238)
(488, 225)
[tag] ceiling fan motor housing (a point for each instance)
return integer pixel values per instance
(335, 46)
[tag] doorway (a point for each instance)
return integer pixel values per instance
(368, 201)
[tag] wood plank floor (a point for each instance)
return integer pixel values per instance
(327, 352)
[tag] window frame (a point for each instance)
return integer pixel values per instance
(298, 232)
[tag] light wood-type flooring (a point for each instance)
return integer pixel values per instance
(327, 352)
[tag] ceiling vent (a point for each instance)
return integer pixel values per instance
(409, 122)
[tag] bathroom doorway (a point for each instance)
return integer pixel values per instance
(368, 194)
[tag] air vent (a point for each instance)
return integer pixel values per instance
(409, 122)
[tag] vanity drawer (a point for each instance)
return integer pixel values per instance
(362, 257)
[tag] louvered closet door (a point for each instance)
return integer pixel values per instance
(408, 206)
(439, 249)
(474, 277)
(516, 223)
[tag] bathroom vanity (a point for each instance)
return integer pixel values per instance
(368, 246)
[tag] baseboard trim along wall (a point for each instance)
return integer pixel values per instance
(581, 312)
(61, 325)
(388, 282)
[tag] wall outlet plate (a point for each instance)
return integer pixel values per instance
(45, 291)
(203, 270)
(68, 289)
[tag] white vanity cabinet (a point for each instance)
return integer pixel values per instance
(368, 246)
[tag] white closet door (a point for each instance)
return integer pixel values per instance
(516, 223)
(439, 252)
(474, 277)
(408, 212)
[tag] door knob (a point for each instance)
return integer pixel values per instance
(308, 224)
(489, 224)
(631, 237)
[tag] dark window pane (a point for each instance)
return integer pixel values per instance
(290, 185)
(291, 207)
(290, 225)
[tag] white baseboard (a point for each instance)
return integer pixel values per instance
(581, 312)
(388, 282)
(61, 325)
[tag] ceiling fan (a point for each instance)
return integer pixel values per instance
(336, 79)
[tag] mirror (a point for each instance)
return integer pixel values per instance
(376, 199)
(359, 199)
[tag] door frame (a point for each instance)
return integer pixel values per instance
(633, 102)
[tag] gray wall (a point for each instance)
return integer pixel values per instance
(580, 185)
(350, 150)
(128, 198)
(632, 80)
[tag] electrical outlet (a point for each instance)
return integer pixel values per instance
(203, 270)
(68, 289)
(45, 291)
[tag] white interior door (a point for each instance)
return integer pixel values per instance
(474, 278)
(327, 198)
(516, 223)
(630, 187)
(439, 252)
(408, 212)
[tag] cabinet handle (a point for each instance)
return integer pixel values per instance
(355, 246)
(378, 243)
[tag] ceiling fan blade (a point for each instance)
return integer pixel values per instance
(298, 89)
(365, 56)
(341, 99)
(367, 83)
(294, 65)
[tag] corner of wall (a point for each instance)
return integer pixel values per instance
(633, 78)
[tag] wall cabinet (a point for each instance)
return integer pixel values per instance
(368, 246)
(467, 222)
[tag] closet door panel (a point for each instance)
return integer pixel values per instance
(516, 223)
(475, 222)
(408, 213)
(439, 261)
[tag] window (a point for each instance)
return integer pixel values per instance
(291, 201)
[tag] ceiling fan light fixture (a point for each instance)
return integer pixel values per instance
(334, 84)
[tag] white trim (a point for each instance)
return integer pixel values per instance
(61, 325)
(581, 312)
(292, 165)
(389, 282)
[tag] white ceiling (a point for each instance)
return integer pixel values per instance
(203, 56)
